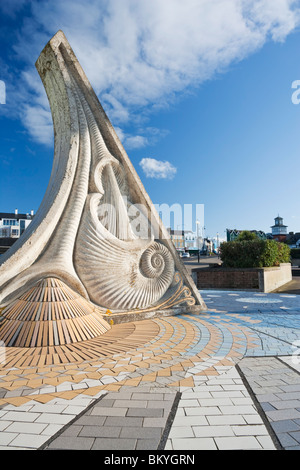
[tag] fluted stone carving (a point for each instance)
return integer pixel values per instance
(96, 229)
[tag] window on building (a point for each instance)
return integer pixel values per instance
(10, 222)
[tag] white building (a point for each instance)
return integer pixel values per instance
(12, 225)
(191, 240)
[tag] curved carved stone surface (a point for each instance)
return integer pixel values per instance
(96, 229)
(120, 274)
(48, 314)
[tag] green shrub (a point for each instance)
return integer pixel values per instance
(246, 235)
(254, 254)
(295, 253)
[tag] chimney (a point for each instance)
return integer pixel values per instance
(16, 211)
(32, 213)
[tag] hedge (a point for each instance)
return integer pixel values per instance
(254, 254)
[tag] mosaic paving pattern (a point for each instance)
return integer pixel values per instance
(182, 353)
(175, 350)
(178, 350)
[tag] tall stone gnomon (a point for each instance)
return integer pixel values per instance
(96, 237)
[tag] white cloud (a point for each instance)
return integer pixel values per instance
(135, 142)
(140, 54)
(139, 141)
(157, 169)
(39, 123)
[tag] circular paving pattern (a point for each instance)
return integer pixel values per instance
(170, 351)
(252, 300)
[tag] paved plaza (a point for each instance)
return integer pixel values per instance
(225, 379)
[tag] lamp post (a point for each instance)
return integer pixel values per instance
(198, 240)
(182, 233)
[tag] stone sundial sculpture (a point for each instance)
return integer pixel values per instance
(96, 243)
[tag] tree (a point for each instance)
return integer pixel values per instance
(246, 235)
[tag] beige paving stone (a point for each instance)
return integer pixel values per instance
(237, 443)
(193, 444)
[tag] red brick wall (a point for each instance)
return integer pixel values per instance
(226, 278)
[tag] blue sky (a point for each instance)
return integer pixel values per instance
(198, 91)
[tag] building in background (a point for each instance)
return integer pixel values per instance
(12, 225)
(293, 239)
(177, 236)
(232, 235)
(279, 230)
(191, 240)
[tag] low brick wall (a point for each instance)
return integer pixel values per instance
(262, 279)
(225, 278)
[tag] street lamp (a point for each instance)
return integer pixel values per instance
(182, 233)
(198, 240)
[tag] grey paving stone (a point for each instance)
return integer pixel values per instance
(285, 404)
(147, 444)
(283, 414)
(288, 396)
(69, 443)
(71, 431)
(100, 431)
(267, 397)
(267, 407)
(286, 440)
(146, 412)
(133, 389)
(122, 395)
(154, 422)
(169, 396)
(130, 403)
(91, 420)
(147, 396)
(109, 411)
(105, 402)
(285, 425)
(113, 444)
(123, 421)
(281, 407)
(292, 387)
(141, 433)
(296, 436)
(167, 405)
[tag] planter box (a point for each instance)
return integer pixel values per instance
(261, 279)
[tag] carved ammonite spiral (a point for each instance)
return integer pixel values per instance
(120, 274)
(157, 261)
